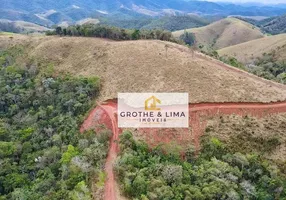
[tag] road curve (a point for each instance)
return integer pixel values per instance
(199, 113)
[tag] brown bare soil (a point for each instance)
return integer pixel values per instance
(243, 126)
(249, 51)
(148, 66)
(223, 33)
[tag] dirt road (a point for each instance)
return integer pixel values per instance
(199, 114)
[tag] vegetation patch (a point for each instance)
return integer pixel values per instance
(267, 66)
(114, 33)
(251, 135)
(216, 173)
(42, 153)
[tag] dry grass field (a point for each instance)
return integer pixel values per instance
(252, 135)
(87, 21)
(249, 51)
(24, 26)
(223, 33)
(148, 66)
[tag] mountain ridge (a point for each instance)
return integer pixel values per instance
(76, 10)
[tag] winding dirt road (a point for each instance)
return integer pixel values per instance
(199, 114)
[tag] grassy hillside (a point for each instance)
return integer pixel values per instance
(263, 57)
(256, 48)
(48, 84)
(223, 33)
(20, 27)
(87, 21)
(145, 66)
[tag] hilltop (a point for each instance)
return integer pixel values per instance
(148, 66)
(223, 33)
(257, 48)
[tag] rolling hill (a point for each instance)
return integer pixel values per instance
(155, 69)
(223, 33)
(20, 27)
(256, 48)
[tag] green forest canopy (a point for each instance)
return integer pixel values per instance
(42, 153)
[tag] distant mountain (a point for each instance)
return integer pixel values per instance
(74, 10)
(275, 25)
(170, 23)
(173, 23)
(272, 25)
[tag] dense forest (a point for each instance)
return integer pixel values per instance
(272, 25)
(174, 23)
(114, 33)
(42, 153)
(169, 23)
(216, 173)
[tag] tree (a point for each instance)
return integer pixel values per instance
(59, 30)
(188, 38)
(69, 154)
(135, 35)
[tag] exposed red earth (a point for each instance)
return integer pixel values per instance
(199, 113)
(105, 114)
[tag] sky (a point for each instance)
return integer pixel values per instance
(256, 1)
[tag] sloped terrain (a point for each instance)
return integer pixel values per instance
(149, 66)
(87, 21)
(20, 26)
(244, 127)
(249, 51)
(243, 134)
(273, 25)
(223, 33)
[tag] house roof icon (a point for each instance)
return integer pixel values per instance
(151, 103)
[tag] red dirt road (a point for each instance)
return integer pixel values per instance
(106, 114)
(199, 114)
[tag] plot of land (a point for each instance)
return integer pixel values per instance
(149, 66)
